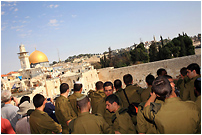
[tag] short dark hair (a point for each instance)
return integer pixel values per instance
(117, 83)
(183, 71)
(194, 66)
(127, 79)
(23, 99)
(160, 71)
(77, 87)
(108, 83)
(64, 87)
(99, 85)
(197, 84)
(82, 103)
(112, 98)
(161, 86)
(38, 100)
(149, 79)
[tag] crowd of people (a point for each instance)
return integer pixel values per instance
(166, 106)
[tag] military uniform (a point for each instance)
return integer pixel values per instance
(64, 112)
(87, 123)
(95, 97)
(41, 123)
(198, 102)
(175, 116)
(181, 84)
(145, 125)
(73, 102)
(104, 112)
(188, 93)
(122, 122)
(145, 94)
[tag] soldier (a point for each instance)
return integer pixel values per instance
(87, 123)
(96, 96)
(40, 122)
(161, 72)
(174, 116)
(77, 94)
(182, 81)
(146, 93)
(121, 120)
(119, 91)
(108, 89)
(63, 109)
(193, 72)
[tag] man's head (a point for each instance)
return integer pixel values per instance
(108, 88)
(99, 85)
(78, 86)
(193, 70)
(5, 96)
(63, 88)
(183, 71)
(197, 86)
(128, 79)
(161, 86)
(117, 84)
(161, 72)
(84, 103)
(149, 79)
(112, 103)
(39, 100)
(23, 99)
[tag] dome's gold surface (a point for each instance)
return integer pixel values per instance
(37, 57)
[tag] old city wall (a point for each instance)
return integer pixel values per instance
(140, 71)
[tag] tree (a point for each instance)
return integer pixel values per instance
(189, 45)
(153, 53)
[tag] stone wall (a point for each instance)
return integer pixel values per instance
(140, 71)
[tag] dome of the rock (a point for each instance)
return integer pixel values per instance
(37, 57)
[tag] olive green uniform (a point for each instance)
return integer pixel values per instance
(41, 123)
(145, 94)
(64, 112)
(181, 85)
(104, 112)
(122, 122)
(73, 102)
(87, 123)
(188, 93)
(198, 102)
(95, 97)
(145, 125)
(175, 116)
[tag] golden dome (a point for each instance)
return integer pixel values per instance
(37, 57)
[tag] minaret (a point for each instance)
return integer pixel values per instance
(24, 57)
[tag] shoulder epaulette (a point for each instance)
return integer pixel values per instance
(155, 107)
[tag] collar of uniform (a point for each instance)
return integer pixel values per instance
(128, 85)
(82, 114)
(77, 94)
(117, 111)
(100, 91)
(194, 78)
(41, 112)
(120, 89)
(174, 99)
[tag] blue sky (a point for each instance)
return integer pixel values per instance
(81, 27)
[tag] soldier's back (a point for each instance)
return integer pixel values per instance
(72, 98)
(145, 94)
(87, 123)
(95, 97)
(177, 117)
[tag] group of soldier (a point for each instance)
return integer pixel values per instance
(160, 108)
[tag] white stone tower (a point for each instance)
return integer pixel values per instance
(24, 57)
